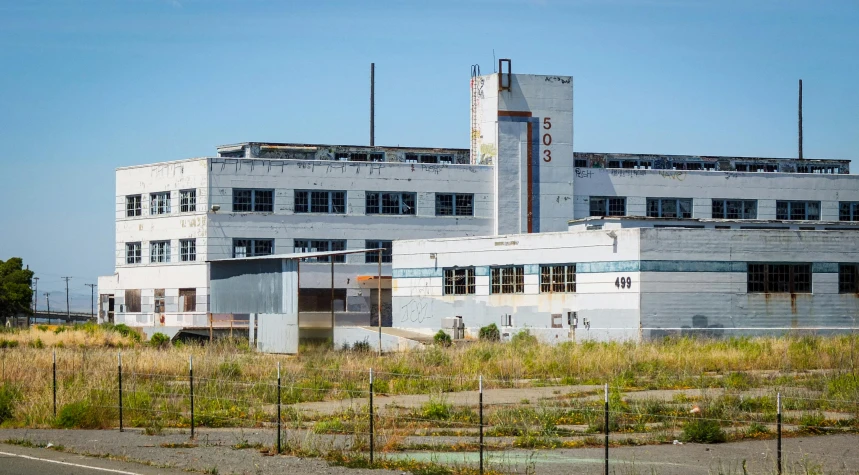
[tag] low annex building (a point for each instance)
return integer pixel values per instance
(634, 278)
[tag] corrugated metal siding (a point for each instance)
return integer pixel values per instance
(247, 286)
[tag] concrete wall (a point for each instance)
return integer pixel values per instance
(713, 301)
(704, 186)
(419, 302)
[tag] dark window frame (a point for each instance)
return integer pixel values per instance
(159, 203)
(188, 200)
(726, 206)
(253, 247)
(134, 252)
(779, 277)
(790, 210)
(380, 202)
(311, 201)
(373, 257)
(611, 205)
(187, 250)
(321, 245)
(159, 252)
(459, 281)
(454, 204)
(557, 278)
(507, 279)
(253, 200)
(133, 206)
(848, 210)
(848, 278)
(660, 209)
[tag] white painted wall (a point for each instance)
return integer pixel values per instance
(704, 186)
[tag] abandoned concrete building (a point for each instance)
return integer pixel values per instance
(520, 176)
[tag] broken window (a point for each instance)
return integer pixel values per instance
(188, 300)
(607, 206)
(330, 202)
(507, 280)
(253, 200)
(735, 209)
(429, 159)
(459, 281)
(848, 210)
(411, 158)
(390, 203)
(580, 163)
(159, 251)
(387, 254)
(159, 300)
(669, 207)
(454, 204)
(848, 278)
(446, 159)
(252, 247)
(159, 203)
(358, 157)
(321, 245)
(377, 157)
(187, 201)
(342, 156)
(779, 278)
(558, 278)
(187, 250)
(133, 205)
(133, 251)
(132, 300)
(798, 210)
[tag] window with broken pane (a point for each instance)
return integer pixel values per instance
(735, 209)
(390, 203)
(607, 205)
(454, 204)
(331, 202)
(253, 200)
(252, 247)
(459, 281)
(387, 254)
(507, 280)
(133, 205)
(558, 278)
(159, 251)
(848, 211)
(187, 201)
(779, 278)
(321, 245)
(159, 203)
(187, 250)
(133, 252)
(669, 207)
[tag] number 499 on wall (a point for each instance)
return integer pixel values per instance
(623, 282)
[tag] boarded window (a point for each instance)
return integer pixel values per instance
(159, 300)
(132, 300)
(188, 300)
(557, 318)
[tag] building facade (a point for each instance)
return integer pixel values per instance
(520, 176)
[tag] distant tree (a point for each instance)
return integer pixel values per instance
(16, 292)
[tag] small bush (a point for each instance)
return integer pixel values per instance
(757, 430)
(436, 409)
(159, 340)
(362, 346)
(8, 343)
(230, 369)
(523, 338)
(127, 331)
(703, 431)
(37, 343)
(442, 338)
(87, 414)
(490, 333)
(43, 328)
(8, 395)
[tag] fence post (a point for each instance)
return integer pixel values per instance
(278, 407)
(778, 430)
(119, 360)
(55, 383)
(480, 387)
(372, 436)
(191, 380)
(606, 429)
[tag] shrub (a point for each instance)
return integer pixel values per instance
(8, 343)
(442, 338)
(490, 333)
(8, 395)
(230, 369)
(436, 409)
(362, 346)
(159, 340)
(87, 414)
(127, 331)
(703, 431)
(523, 338)
(37, 343)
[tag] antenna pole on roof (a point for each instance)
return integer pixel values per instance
(372, 104)
(800, 119)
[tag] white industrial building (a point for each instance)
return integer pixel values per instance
(519, 177)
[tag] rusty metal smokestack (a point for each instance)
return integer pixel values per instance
(800, 119)
(372, 104)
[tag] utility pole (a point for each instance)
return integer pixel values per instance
(35, 299)
(92, 298)
(68, 312)
(48, 300)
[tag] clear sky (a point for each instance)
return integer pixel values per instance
(89, 85)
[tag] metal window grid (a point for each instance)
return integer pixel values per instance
(159, 203)
(159, 251)
(798, 210)
(848, 278)
(444, 204)
(373, 257)
(779, 278)
(133, 253)
(187, 201)
(188, 250)
(464, 205)
(507, 280)
(263, 201)
(133, 205)
(459, 281)
(242, 200)
(558, 278)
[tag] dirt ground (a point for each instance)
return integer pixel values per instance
(215, 453)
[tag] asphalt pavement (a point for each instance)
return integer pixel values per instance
(15, 460)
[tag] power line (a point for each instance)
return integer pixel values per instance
(92, 298)
(68, 311)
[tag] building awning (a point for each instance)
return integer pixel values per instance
(368, 278)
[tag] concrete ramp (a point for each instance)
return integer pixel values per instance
(393, 339)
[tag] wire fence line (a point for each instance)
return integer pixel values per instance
(331, 410)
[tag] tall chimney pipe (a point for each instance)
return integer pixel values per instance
(800, 119)
(372, 104)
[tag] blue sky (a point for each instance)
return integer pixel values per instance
(90, 85)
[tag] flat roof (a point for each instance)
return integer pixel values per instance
(295, 255)
(236, 146)
(714, 220)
